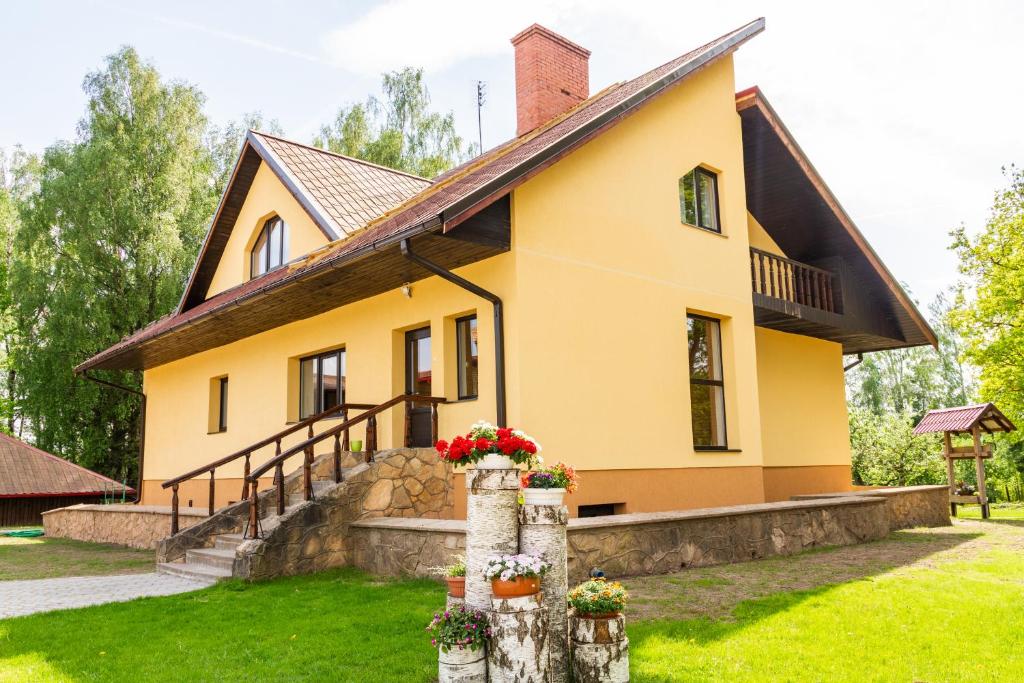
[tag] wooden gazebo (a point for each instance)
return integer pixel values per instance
(972, 420)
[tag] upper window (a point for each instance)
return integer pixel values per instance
(707, 389)
(468, 356)
(222, 412)
(698, 199)
(321, 382)
(270, 248)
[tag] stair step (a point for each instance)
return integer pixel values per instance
(228, 541)
(319, 487)
(195, 572)
(211, 557)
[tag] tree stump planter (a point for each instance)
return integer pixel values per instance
(492, 527)
(600, 649)
(518, 650)
(462, 666)
(542, 533)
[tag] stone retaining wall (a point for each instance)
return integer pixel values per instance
(136, 526)
(906, 506)
(642, 543)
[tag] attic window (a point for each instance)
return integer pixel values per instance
(271, 246)
(698, 199)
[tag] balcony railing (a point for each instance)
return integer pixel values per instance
(781, 278)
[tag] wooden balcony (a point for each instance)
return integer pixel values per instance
(788, 281)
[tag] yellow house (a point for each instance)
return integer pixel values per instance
(652, 280)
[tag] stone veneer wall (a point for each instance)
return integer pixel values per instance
(642, 543)
(136, 526)
(408, 482)
(906, 506)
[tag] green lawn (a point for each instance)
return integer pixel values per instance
(45, 558)
(929, 605)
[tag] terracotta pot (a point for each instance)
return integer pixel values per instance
(603, 615)
(456, 586)
(543, 496)
(516, 588)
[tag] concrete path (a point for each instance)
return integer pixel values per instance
(43, 595)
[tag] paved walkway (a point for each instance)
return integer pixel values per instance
(43, 595)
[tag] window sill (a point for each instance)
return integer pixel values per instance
(219, 431)
(468, 399)
(705, 230)
(716, 449)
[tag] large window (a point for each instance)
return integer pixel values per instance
(698, 199)
(271, 246)
(707, 390)
(468, 356)
(321, 382)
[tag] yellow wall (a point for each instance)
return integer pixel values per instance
(267, 196)
(803, 400)
(607, 273)
(760, 239)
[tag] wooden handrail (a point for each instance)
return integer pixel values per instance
(306, 448)
(783, 278)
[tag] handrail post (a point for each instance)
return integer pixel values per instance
(245, 478)
(433, 422)
(337, 458)
(279, 477)
(344, 419)
(307, 473)
(254, 512)
(407, 441)
(371, 437)
(174, 509)
(213, 487)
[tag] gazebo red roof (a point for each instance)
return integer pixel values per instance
(28, 472)
(964, 419)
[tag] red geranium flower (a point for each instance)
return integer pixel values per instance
(441, 446)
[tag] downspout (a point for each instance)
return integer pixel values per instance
(851, 366)
(499, 321)
(142, 423)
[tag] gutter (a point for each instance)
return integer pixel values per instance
(142, 422)
(499, 322)
(851, 366)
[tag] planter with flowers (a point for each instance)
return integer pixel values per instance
(513, 576)
(461, 636)
(490, 448)
(455, 577)
(597, 632)
(548, 485)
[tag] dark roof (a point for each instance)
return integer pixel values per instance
(450, 199)
(793, 203)
(340, 194)
(26, 471)
(963, 419)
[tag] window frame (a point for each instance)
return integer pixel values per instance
(699, 208)
(267, 229)
(339, 354)
(460, 364)
(720, 383)
(222, 405)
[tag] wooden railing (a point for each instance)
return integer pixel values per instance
(783, 278)
(306, 448)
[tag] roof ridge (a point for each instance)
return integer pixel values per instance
(328, 152)
(973, 406)
(63, 461)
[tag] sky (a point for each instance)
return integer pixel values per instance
(909, 110)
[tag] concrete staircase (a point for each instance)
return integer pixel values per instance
(209, 565)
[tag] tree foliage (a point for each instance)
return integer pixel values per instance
(886, 453)
(398, 131)
(103, 247)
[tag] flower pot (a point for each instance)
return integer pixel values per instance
(356, 446)
(462, 666)
(533, 496)
(495, 461)
(516, 588)
(603, 615)
(456, 586)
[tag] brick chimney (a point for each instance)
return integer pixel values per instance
(552, 76)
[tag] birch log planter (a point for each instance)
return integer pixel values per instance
(518, 650)
(492, 527)
(462, 666)
(600, 649)
(542, 533)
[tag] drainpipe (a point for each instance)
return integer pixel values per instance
(142, 423)
(499, 321)
(851, 366)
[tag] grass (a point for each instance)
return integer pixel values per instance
(998, 510)
(922, 605)
(46, 558)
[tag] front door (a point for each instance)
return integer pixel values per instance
(417, 381)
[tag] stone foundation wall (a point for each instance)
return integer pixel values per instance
(136, 526)
(906, 507)
(408, 482)
(642, 543)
